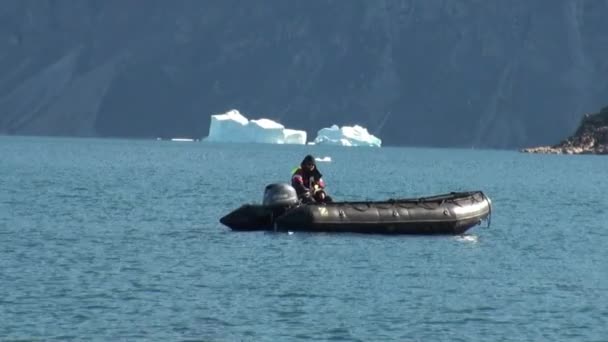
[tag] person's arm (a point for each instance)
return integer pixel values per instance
(298, 183)
(318, 181)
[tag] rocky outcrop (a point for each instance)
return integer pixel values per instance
(458, 73)
(591, 137)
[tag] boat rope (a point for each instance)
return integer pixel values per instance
(490, 209)
(456, 203)
(366, 205)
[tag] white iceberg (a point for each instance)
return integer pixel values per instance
(346, 136)
(234, 127)
(265, 131)
(227, 127)
(292, 136)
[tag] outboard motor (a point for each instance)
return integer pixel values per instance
(280, 194)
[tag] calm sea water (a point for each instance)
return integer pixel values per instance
(117, 240)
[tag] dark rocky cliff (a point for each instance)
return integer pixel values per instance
(591, 137)
(433, 72)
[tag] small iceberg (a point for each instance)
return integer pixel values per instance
(233, 126)
(182, 139)
(325, 159)
(346, 136)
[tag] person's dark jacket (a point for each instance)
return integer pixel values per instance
(304, 182)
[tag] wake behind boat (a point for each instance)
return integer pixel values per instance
(451, 213)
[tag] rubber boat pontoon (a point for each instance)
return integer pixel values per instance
(452, 213)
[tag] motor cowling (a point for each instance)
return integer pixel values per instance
(280, 194)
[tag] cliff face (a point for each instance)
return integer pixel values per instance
(591, 137)
(437, 72)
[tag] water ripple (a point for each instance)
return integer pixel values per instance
(120, 241)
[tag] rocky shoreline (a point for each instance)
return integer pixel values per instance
(591, 137)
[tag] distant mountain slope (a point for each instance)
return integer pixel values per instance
(439, 72)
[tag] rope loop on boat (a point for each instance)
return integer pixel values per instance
(490, 208)
(357, 207)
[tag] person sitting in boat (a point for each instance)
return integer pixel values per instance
(308, 182)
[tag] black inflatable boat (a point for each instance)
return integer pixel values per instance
(452, 213)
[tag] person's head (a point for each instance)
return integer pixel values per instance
(308, 164)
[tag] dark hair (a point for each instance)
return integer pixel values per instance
(308, 160)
